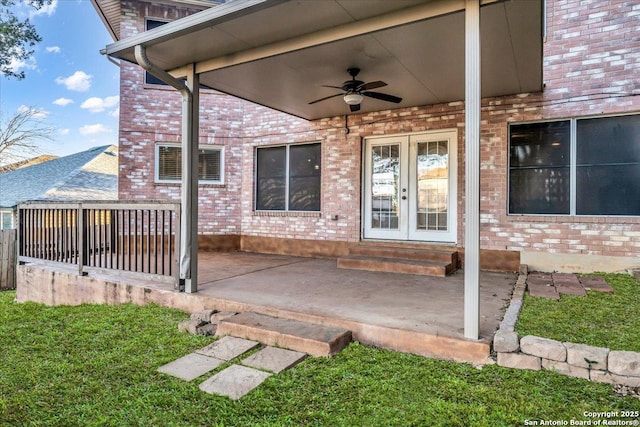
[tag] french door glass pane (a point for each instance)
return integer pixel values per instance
(385, 180)
(433, 185)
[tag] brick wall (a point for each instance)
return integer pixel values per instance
(591, 67)
(150, 114)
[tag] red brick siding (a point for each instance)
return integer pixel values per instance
(591, 67)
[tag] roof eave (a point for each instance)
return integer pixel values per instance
(215, 15)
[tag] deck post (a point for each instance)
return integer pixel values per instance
(189, 206)
(472, 171)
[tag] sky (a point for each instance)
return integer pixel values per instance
(73, 87)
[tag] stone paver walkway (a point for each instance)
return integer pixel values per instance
(234, 381)
(227, 348)
(274, 359)
(552, 285)
(191, 366)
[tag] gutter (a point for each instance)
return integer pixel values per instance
(188, 257)
(144, 62)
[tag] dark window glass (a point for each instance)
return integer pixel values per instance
(300, 165)
(539, 168)
(271, 182)
(608, 166)
(170, 163)
(304, 177)
(148, 77)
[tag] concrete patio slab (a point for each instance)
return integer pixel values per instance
(274, 359)
(234, 381)
(402, 312)
(190, 366)
(228, 348)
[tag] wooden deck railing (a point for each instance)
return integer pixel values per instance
(139, 237)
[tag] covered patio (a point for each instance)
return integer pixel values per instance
(280, 54)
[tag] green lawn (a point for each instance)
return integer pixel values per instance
(603, 320)
(96, 366)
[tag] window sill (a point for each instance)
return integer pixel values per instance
(200, 184)
(574, 219)
(288, 213)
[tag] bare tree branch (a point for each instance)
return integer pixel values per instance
(20, 135)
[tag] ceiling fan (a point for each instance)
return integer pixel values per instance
(354, 91)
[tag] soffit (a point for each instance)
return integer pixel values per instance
(421, 60)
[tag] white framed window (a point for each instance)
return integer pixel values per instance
(168, 167)
(6, 220)
(580, 166)
(288, 178)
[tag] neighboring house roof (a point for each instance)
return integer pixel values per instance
(28, 162)
(88, 175)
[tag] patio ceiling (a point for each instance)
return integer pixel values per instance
(280, 53)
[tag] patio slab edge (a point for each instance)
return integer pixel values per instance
(43, 284)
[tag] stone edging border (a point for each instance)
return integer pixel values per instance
(597, 364)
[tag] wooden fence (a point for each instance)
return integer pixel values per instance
(138, 237)
(8, 259)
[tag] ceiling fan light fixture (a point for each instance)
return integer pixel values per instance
(353, 98)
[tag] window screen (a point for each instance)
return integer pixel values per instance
(288, 178)
(169, 163)
(539, 168)
(606, 164)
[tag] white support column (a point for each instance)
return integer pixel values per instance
(472, 171)
(189, 207)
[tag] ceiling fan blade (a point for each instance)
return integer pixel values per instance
(354, 107)
(372, 85)
(326, 97)
(332, 87)
(383, 97)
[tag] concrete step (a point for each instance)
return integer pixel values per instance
(310, 338)
(395, 265)
(414, 253)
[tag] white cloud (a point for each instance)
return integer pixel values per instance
(98, 105)
(47, 9)
(63, 102)
(78, 81)
(93, 129)
(53, 49)
(37, 113)
(16, 65)
(115, 113)
(64, 131)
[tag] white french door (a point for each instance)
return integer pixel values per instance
(410, 190)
